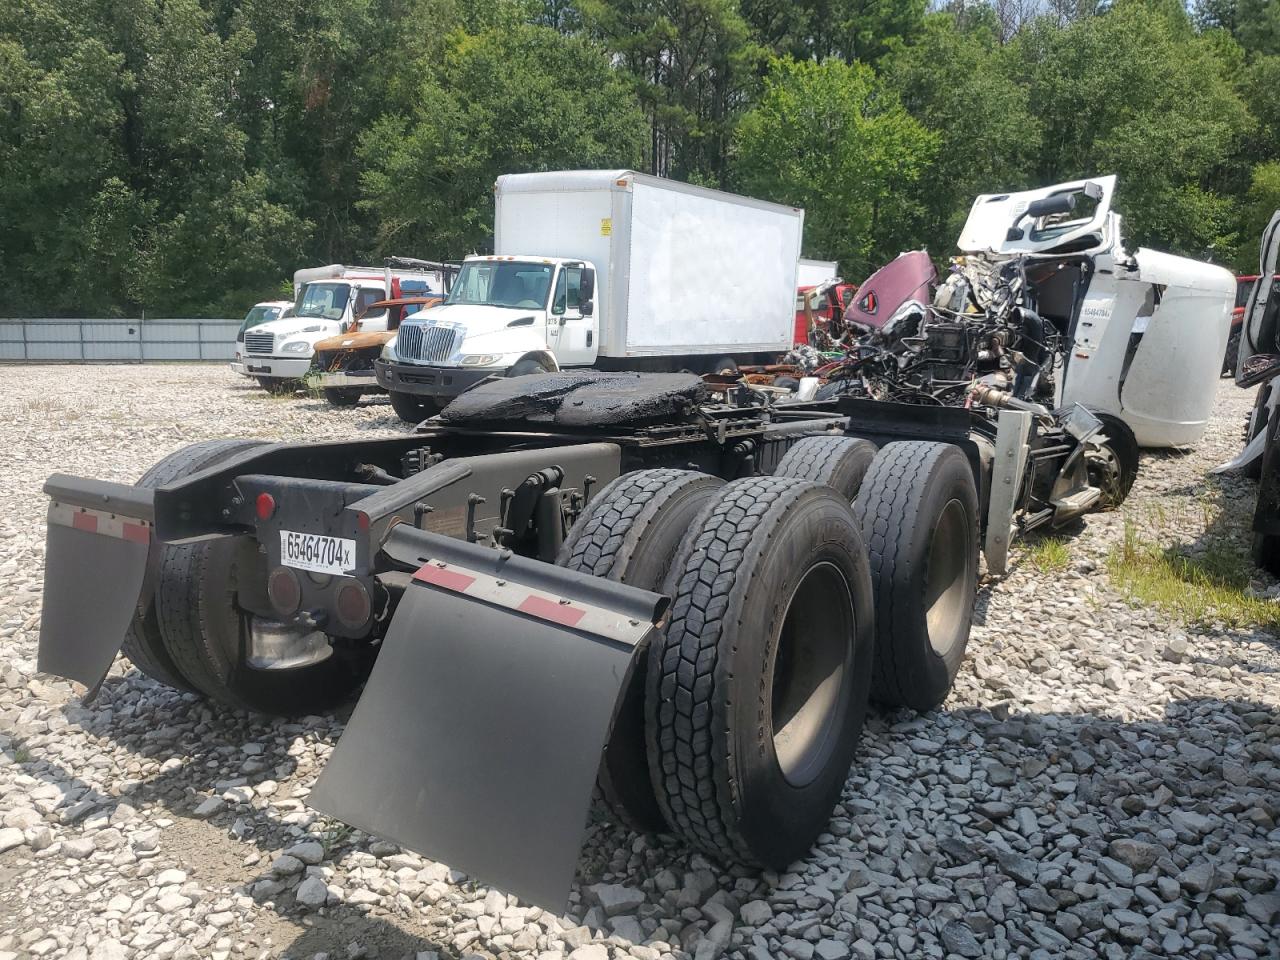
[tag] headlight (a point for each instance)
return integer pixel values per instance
(389, 350)
(297, 346)
(480, 359)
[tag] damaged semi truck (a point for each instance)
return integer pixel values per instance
(620, 582)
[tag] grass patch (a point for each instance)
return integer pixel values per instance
(1205, 587)
(1049, 554)
(333, 838)
(22, 754)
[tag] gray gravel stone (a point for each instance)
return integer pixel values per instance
(614, 898)
(1082, 728)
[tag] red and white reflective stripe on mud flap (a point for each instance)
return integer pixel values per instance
(101, 522)
(533, 603)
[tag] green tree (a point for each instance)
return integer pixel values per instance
(1260, 202)
(1136, 92)
(693, 67)
(126, 181)
(954, 78)
(849, 29)
(509, 100)
(1254, 23)
(830, 138)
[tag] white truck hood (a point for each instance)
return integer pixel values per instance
(293, 328)
(994, 214)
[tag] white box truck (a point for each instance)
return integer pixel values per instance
(610, 269)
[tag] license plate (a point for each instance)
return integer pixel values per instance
(317, 553)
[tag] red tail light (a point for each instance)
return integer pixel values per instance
(353, 604)
(266, 506)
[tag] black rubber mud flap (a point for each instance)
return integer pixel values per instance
(479, 734)
(96, 546)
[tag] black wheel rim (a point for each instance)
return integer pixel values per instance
(811, 668)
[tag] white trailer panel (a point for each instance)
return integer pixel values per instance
(810, 273)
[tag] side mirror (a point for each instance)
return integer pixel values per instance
(588, 291)
(586, 307)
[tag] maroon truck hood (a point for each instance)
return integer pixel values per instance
(881, 294)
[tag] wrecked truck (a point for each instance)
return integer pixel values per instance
(1077, 318)
(568, 582)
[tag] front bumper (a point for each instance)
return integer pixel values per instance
(276, 367)
(424, 381)
(344, 380)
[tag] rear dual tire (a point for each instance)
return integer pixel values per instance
(629, 532)
(757, 692)
(918, 513)
(191, 634)
(839, 462)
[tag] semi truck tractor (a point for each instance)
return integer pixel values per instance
(624, 582)
(609, 269)
(327, 301)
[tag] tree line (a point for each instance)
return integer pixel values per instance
(182, 157)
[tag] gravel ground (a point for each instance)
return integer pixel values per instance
(1102, 782)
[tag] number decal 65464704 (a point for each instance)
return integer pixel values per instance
(317, 552)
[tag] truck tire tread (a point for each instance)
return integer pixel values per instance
(889, 511)
(838, 461)
(629, 532)
(691, 682)
(142, 643)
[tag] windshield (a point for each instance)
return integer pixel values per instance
(326, 301)
(256, 316)
(503, 283)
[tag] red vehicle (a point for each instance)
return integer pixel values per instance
(828, 311)
(1244, 287)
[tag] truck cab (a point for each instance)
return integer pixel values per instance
(328, 300)
(1144, 332)
(505, 315)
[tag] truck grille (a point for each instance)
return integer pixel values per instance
(260, 344)
(431, 344)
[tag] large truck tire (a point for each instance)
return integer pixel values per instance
(277, 386)
(342, 396)
(205, 634)
(413, 409)
(529, 366)
(1231, 356)
(142, 643)
(918, 513)
(190, 635)
(839, 462)
(630, 532)
(1254, 424)
(1266, 552)
(756, 694)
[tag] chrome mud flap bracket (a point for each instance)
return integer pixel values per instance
(96, 547)
(479, 734)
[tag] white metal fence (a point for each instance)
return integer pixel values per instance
(89, 340)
